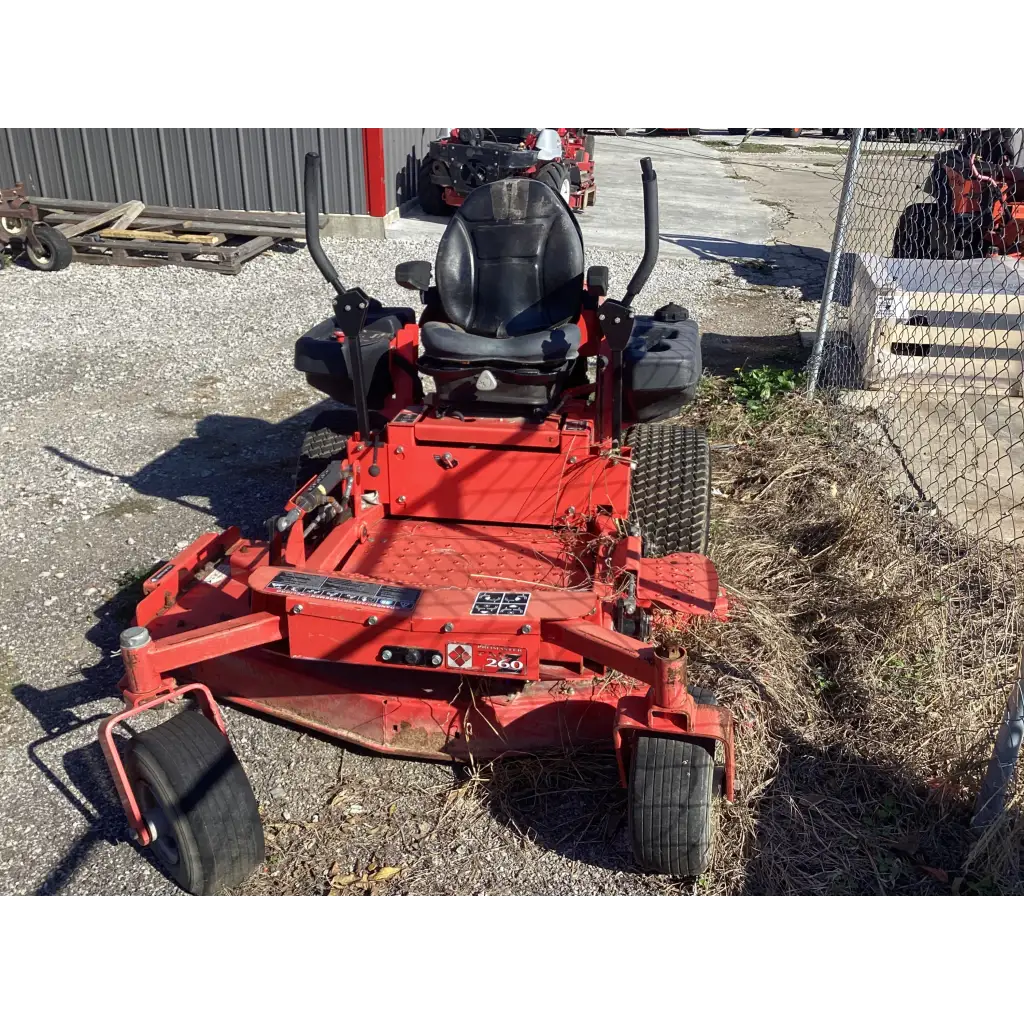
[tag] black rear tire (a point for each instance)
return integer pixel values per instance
(671, 493)
(671, 781)
(54, 251)
(830, 133)
(924, 233)
(556, 175)
(194, 793)
(430, 194)
(326, 439)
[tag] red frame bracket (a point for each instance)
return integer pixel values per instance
(113, 756)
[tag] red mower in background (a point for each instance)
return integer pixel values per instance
(978, 207)
(467, 158)
(471, 573)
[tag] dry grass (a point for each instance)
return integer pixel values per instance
(867, 660)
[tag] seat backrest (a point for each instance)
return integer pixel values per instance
(511, 260)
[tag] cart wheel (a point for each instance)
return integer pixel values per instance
(671, 492)
(326, 439)
(670, 800)
(14, 227)
(197, 803)
(53, 251)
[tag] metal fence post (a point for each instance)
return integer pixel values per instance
(852, 158)
(992, 795)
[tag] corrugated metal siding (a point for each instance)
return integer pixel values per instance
(403, 150)
(218, 168)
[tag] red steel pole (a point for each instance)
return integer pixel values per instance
(373, 170)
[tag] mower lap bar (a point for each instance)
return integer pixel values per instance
(444, 343)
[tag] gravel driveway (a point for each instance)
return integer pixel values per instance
(138, 408)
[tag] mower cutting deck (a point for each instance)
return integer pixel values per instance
(465, 576)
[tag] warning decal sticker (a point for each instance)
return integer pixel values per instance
(501, 602)
(335, 588)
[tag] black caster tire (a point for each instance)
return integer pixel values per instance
(197, 802)
(671, 799)
(53, 252)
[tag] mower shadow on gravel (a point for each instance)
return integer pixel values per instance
(723, 354)
(571, 804)
(236, 469)
(773, 265)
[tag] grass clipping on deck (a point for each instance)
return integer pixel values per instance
(866, 659)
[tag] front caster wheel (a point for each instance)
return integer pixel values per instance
(670, 800)
(197, 802)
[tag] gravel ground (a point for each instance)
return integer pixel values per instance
(140, 407)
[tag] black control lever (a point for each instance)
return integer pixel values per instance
(616, 320)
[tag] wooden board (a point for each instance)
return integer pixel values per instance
(167, 224)
(98, 219)
(165, 236)
(125, 221)
(268, 219)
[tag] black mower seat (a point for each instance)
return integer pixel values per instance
(509, 268)
(444, 343)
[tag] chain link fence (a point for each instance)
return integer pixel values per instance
(921, 343)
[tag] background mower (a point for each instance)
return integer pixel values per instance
(462, 575)
(470, 157)
(979, 203)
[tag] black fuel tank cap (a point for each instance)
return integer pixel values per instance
(671, 314)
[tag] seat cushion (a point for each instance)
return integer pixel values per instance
(444, 343)
(510, 262)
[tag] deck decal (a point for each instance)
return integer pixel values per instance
(459, 655)
(501, 602)
(334, 588)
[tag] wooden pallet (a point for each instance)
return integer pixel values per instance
(222, 259)
(205, 239)
(955, 321)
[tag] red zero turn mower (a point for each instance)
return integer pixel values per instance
(467, 158)
(463, 575)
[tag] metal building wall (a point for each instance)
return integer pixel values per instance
(403, 150)
(219, 168)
